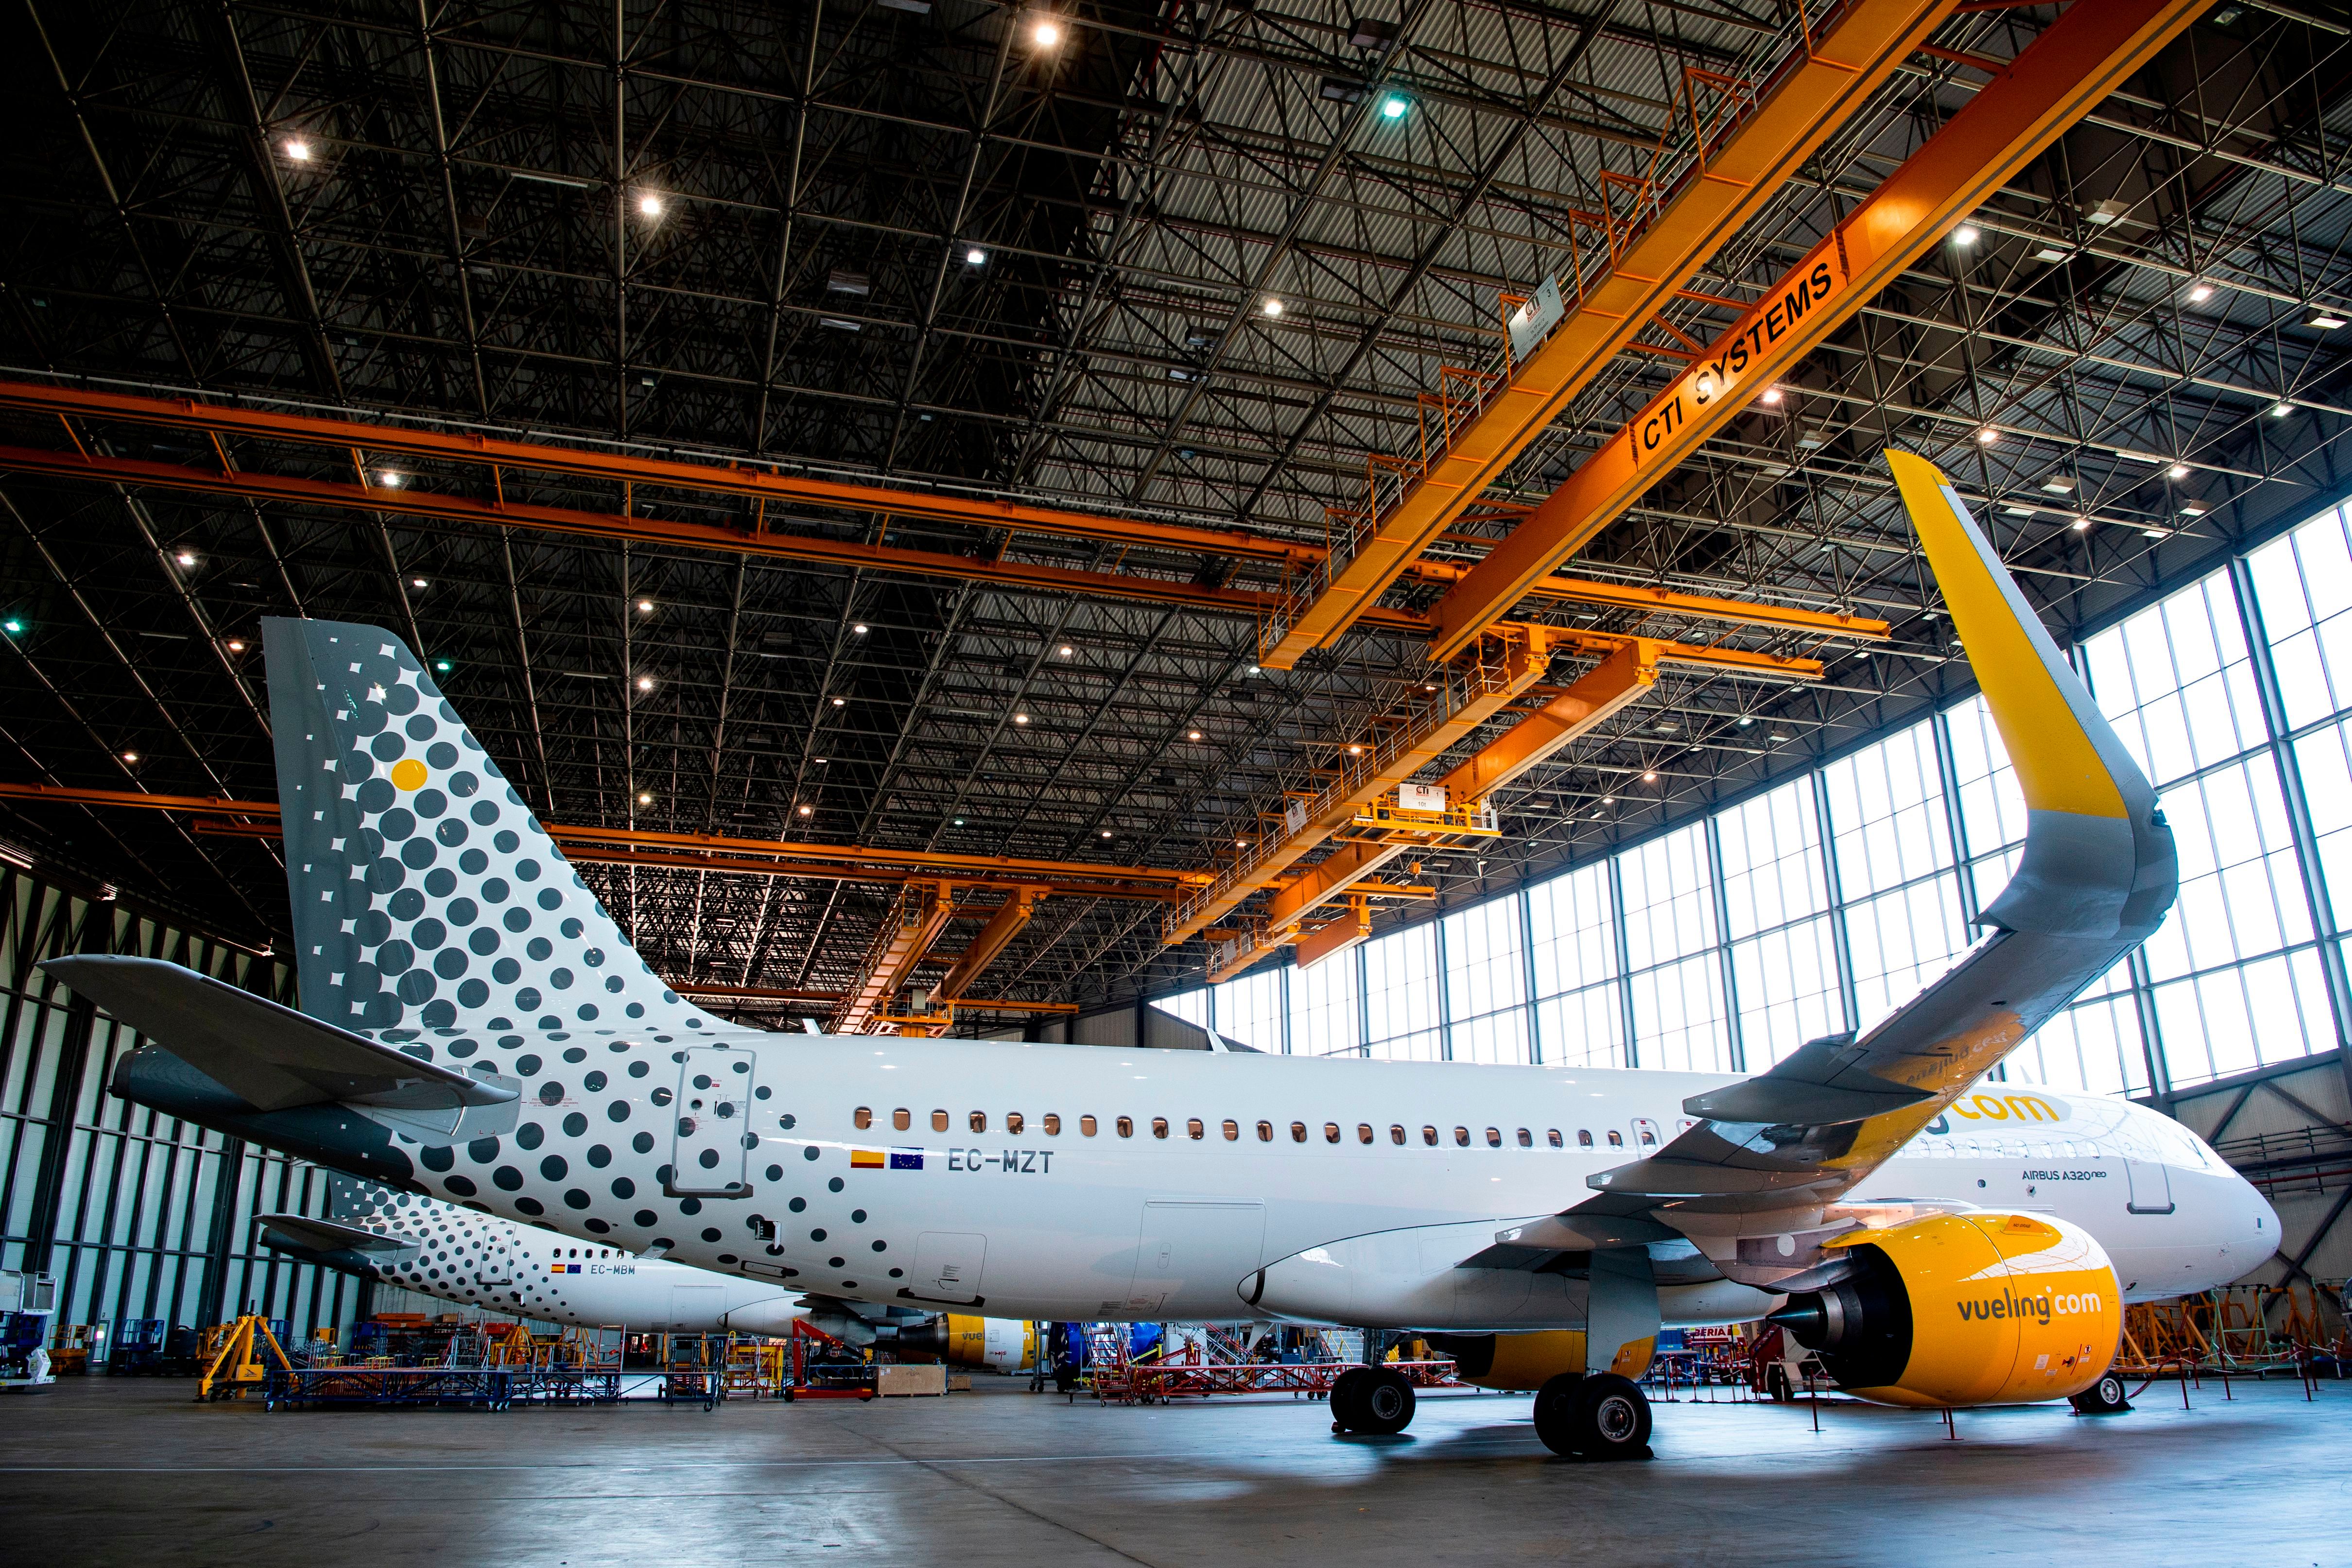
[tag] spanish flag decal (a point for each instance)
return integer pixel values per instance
(866, 1159)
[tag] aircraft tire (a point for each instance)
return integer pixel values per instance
(1347, 1412)
(1553, 1402)
(1383, 1402)
(1777, 1385)
(1609, 1419)
(2105, 1398)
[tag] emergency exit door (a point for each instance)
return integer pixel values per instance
(711, 1138)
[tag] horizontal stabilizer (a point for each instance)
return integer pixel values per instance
(271, 1056)
(302, 1233)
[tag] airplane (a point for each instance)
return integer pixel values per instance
(472, 1259)
(484, 1034)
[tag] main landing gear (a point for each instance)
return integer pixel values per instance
(1372, 1400)
(2105, 1398)
(1593, 1415)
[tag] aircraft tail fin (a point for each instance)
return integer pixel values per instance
(426, 896)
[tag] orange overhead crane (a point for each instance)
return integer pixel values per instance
(923, 911)
(643, 477)
(2062, 76)
(1745, 139)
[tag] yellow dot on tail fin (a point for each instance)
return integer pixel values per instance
(408, 774)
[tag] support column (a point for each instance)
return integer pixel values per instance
(1624, 962)
(1527, 963)
(220, 1237)
(1823, 827)
(1732, 1032)
(58, 1138)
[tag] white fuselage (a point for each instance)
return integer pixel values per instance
(994, 1213)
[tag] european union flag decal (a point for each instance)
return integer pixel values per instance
(905, 1159)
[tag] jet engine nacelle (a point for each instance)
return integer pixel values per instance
(1965, 1308)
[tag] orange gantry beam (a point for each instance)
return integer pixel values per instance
(923, 911)
(2062, 76)
(708, 852)
(420, 499)
(1747, 139)
(1003, 927)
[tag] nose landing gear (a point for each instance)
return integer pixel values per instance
(1372, 1400)
(1599, 1415)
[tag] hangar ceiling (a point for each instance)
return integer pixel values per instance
(915, 245)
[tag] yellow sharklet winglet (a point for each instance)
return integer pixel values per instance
(2058, 762)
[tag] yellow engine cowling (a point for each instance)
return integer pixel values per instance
(1520, 1362)
(1005, 1345)
(1965, 1308)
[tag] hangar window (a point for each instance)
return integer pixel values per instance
(1396, 1136)
(1014, 1121)
(979, 1121)
(1086, 1126)
(1616, 1139)
(1363, 1132)
(939, 1121)
(864, 1118)
(1526, 1140)
(1330, 1132)
(1265, 1132)
(1462, 1137)
(1493, 1137)
(902, 1118)
(1233, 1130)
(1127, 1127)
(1052, 1122)
(1159, 1126)
(1429, 1136)
(1552, 1137)
(1299, 1131)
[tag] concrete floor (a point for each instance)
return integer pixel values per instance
(103, 1470)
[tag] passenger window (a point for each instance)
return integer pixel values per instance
(1127, 1127)
(1396, 1136)
(1233, 1130)
(902, 1118)
(1086, 1126)
(1014, 1121)
(1330, 1132)
(979, 1121)
(864, 1118)
(1462, 1137)
(1052, 1122)
(1584, 1137)
(1429, 1136)
(1265, 1132)
(1363, 1132)
(1616, 1139)
(1159, 1126)
(1646, 1131)
(1193, 1128)
(1552, 1137)
(1299, 1131)
(1525, 1142)
(939, 1121)
(1493, 1137)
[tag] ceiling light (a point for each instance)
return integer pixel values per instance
(1106, 832)
(416, 582)
(2153, 533)
(1271, 306)
(650, 205)
(130, 756)
(645, 607)
(441, 666)
(1649, 777)
(2326, 320)
(841, 702)
(1241, 844)
(1393, 107)
(1966, 235)
(1608, 799)
(859, 628)
(2192, 509)
(1065, 650)
(1986, 436)
(1024, 718)
(975, 256)
(297, 150)
(2017, 511)
(186, 558)
(236, 644)
(2178, 471)
(2199, 292)
(1771, 395)
(811, 812)
(2059, 485)
(2051, 253)
(959, 822)
(1747, 719)
(2082, 525)
(2281, 409)
(388, 479)
(12, 626)
(1253, 670)
(1776, 739)
(1355, 751)
(1046, 34)
(645, 799)
(1192, 735)
(820, 761)
(645, 683)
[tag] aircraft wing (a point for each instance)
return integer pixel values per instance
(302, 1233)
(2097, 875)
(271, 1056)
